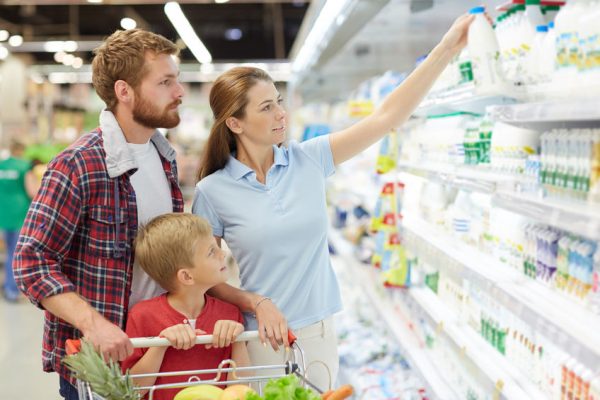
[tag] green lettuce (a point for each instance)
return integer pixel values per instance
(286, 388)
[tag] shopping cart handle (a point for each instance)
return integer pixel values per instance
(73, 346)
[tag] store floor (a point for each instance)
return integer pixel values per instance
(21, 375)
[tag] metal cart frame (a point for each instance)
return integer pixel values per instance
(296, 365)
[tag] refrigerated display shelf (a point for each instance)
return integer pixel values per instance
(478, 179)
(573, 216)
(568, 113)
(568, 323)
(508, 381)
(412, 349)
(469, 344)
(466, 98)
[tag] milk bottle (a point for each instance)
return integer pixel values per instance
(547, 56)
(484, 51)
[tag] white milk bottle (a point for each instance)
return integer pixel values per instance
(534, 65)
(565, 25)
(547, 57)
(484, 51)
(590, 48)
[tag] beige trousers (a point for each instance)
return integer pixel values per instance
(319, 343)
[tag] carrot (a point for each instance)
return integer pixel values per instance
(342, 392)
(326, 395)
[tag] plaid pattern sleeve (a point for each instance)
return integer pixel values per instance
(47, 234)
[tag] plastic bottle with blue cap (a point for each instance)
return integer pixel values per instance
(485, 54)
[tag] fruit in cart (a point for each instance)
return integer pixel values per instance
(236, 392)
(200, 392)
(105, 380)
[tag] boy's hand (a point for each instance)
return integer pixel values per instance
(225, 332)
(181, 336)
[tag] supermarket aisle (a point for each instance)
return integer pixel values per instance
(21, 375)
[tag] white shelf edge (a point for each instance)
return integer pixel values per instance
(582, 219)
(466, 98)
(528, 299)
(575, 112)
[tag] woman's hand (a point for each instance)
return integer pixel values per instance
(272, 325)
(456, 38)
(225, 332)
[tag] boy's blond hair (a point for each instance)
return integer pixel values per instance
(167, 244)
(122, 56)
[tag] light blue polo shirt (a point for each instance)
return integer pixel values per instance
(277, 232)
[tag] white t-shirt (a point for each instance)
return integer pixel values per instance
(153, 197)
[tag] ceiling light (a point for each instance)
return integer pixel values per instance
(3, 52)
(15, 40)
(128, 23)
(77, 63)
(53, 46)
(68, 59)
(186, 32)
(316, 38)
(233, 34)
(221, 1)
(4, 35)
(70, 46)
(95, 1)
(59, 56)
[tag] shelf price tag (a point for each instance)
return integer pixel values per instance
(498, 389)
(440, 327)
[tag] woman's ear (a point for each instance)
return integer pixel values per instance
(234, 125)
(184, 277)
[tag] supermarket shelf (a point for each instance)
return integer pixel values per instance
(509, 4)
(579, 113)
(566, 322)
(510, 383)
(577, 217)
(411, 348)
(490, 363)
(465, 98)
(573, 216)
(463, 176)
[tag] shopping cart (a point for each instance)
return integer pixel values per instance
(295, 364)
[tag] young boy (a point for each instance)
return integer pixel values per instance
(180, 253)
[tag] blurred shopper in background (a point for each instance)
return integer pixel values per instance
(75, 256)
(255, 193)
(14, 202)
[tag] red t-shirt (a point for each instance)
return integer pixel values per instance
(150, 317)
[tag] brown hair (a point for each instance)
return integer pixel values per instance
(16, 147)
(167, 244)
(228, 98)
(122, 56)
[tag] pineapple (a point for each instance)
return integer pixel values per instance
(105, 380)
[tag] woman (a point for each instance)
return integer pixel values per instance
(268, 202)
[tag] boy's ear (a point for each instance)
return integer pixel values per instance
(184, 277)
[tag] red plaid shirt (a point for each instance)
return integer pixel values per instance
(72, 234)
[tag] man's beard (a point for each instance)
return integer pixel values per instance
(148, 115)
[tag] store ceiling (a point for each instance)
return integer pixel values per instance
(401, 32)
(268, 28)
